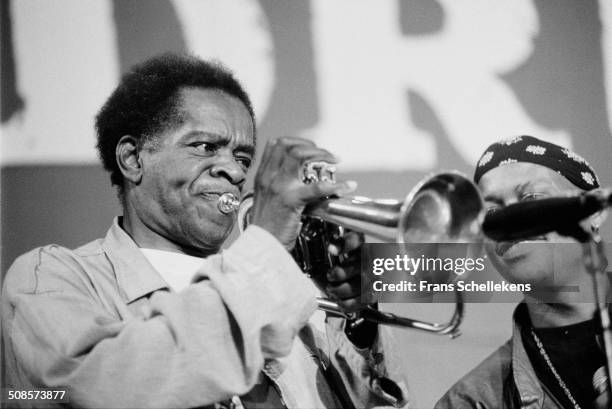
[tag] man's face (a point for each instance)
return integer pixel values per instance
(545, 260)
(190, 165)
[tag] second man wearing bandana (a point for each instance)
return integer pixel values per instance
(553, 354)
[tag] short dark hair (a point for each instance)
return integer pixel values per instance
(147, 101)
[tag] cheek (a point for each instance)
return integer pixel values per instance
(538, 263)
(541, 258)
(168, 190)
(568, 259)
(177, 179)
(177, 173)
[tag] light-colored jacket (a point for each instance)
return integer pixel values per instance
(102, 323)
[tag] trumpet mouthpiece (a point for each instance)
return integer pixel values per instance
(228, 203)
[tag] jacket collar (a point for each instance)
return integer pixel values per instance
(531, 391)
(135, 275)
(526, 381)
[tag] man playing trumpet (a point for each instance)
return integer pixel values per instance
(155, 314)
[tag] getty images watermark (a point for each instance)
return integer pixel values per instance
(434, 272)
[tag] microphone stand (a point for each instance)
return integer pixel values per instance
(595, 263)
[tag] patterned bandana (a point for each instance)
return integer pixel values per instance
(529, 149)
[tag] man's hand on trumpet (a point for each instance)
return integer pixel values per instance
(281, 195)
(344, 280)
(282, 190)
(344, 287)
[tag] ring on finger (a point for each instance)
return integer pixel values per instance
(318, 171)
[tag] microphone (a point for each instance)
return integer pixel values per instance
(537, 217)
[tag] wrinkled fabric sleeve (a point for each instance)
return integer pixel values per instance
(192, 348)
(373, 377)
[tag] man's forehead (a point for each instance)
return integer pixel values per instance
(512, 176)
(219, 112)
(214, 100)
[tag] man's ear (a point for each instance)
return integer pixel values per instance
(128, 159)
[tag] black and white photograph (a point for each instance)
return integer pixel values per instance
(304, 204)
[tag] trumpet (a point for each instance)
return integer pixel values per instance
(443, 207)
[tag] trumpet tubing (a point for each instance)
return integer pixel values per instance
(443, 207)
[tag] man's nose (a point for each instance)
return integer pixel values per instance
(227, 167)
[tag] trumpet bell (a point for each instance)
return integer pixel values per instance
(443, 208)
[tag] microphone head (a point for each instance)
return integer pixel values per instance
(538, 217)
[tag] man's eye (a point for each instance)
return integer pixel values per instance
(491, 210)
(532, 196)
(244, 161)
(205, 146)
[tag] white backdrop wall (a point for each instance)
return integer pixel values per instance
(396, 88)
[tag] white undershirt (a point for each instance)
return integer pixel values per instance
(175, 268)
